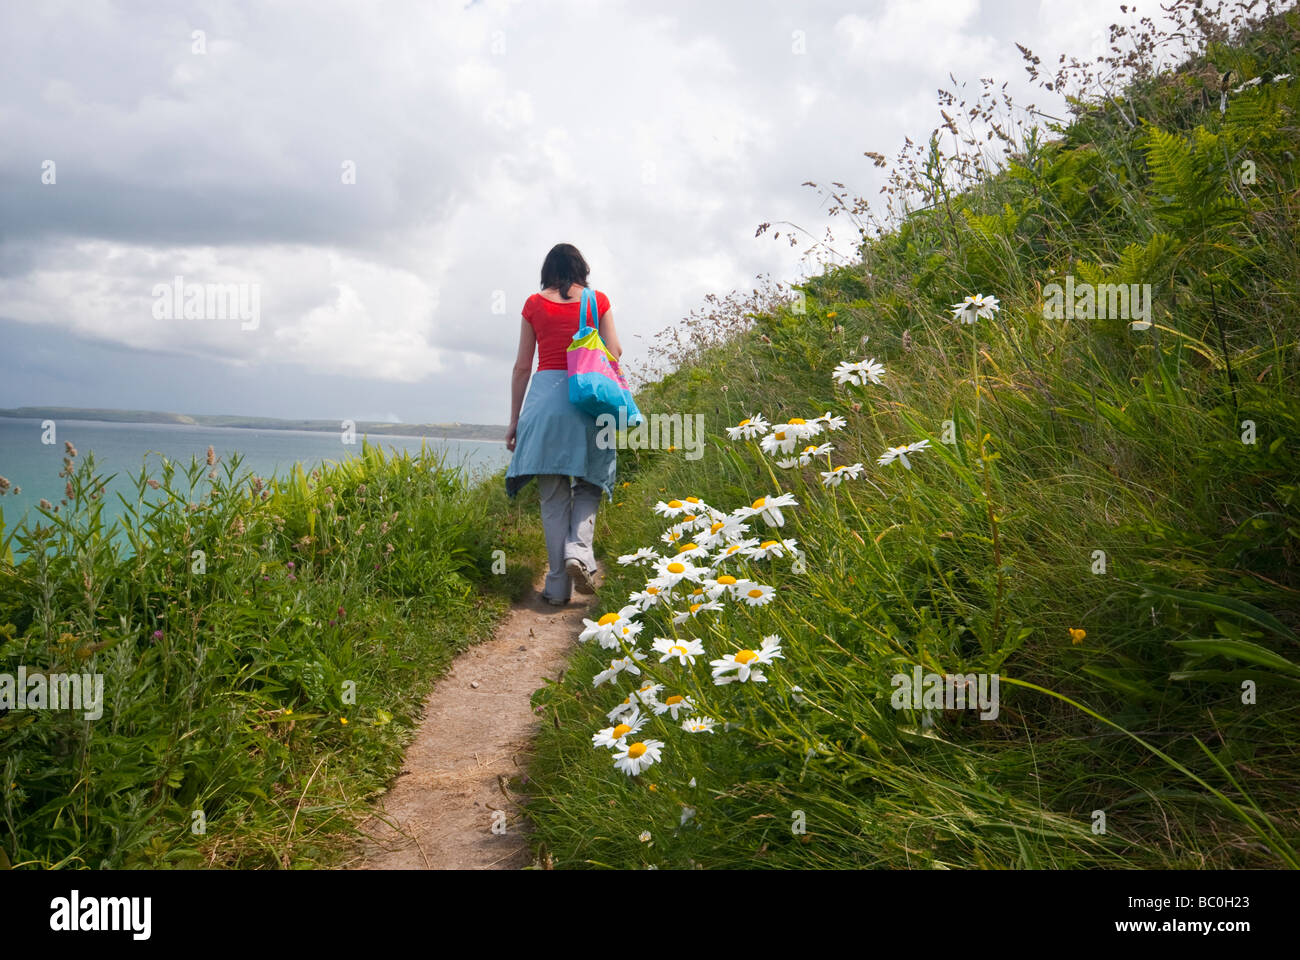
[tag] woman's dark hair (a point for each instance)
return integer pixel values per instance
(564, 267)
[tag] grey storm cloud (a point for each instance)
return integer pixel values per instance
(654, 136)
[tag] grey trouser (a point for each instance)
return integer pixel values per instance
(569, 519)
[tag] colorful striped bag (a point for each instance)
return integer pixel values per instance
(596, 385)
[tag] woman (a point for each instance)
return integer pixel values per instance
(551, 438)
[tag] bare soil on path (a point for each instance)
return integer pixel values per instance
(440, 811)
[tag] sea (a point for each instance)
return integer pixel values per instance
(122, 448)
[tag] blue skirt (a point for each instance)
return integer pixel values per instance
(556, 437)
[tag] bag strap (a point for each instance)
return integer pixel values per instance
(583, 325)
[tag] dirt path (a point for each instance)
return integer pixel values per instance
(440, 812)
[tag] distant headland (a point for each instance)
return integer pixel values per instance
(447, 431)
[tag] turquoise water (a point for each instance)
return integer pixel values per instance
(122, 448)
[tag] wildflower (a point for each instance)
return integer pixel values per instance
(900, 453)
(698, 725)
(749, 428)
(212, 456)
(772, 548)
(746, 662)
(647, 598)
(643, 555)
(633, 758)
(614, 737)
(1077, 635)
(617, 666)
(974, 307)
(806, 455)
(716, 587)
(611, 628)
(153, 484)
(674, 705)
(645, 834)
(648, 693)
(673, 508)
(721, 530)
(684, 650)
(343, 720)
(741, 547)
(624, 707)
(754, 594)
(858, 372)
(780, 440)
(46, 505)
(769, 508)
(695, 609)
(832, 478)
(157, 635)
(694, 549)
(673, 572)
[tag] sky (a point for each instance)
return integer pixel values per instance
(387, 178)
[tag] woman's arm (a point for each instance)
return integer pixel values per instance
(519, 377)
(609, 334)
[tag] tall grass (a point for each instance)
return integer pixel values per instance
(265, 647)
(1171, 450)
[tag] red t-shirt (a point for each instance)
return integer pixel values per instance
(556, 323)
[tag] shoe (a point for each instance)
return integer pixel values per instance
(583, 580)
(553, 601)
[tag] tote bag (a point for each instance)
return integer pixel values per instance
(596, 384)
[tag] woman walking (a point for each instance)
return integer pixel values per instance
(552, 439)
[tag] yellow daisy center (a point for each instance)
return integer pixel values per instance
(744, 656)
(607, 619)
(636, 750)
(676, 568)
(727, 579)
(689, 518)
(692, 499)
(677, 648)
(758, 504)
(755, 593)
(672, 700)
(743, 423)
(621, 730)
(798, 421)
(780, 435)
(717, 526)
(768, 543)
(652, 590)
(674, 504)
(695, 606)
(687, 546)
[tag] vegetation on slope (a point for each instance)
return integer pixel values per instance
(1106, 515)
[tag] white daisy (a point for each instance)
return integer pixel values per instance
(684, 650)
(769, 508)
(613, 737)
(673, 508)
(739, 548)
(610, 628)
(749, 428)
(617, 666)
(715, 587)
(773, 548)
(833, 422)
(754, 594)
(673, 705)
(858, 373)
(974, 307)
(780, 440)
(642, 556)
(806, 456)
(698, 725)
(648, 693)
(647, 598)
(901, 453)
(633, 758)
(833, 478)
(673, 572)
(627, 706)
(746, 662)
(695, 609)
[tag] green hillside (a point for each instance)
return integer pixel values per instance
(1105, 516)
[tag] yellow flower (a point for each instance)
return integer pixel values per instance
(832, 315)
(343, 720)
(1077, 635)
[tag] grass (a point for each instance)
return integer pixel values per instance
(265, 648)
(1139, 485)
